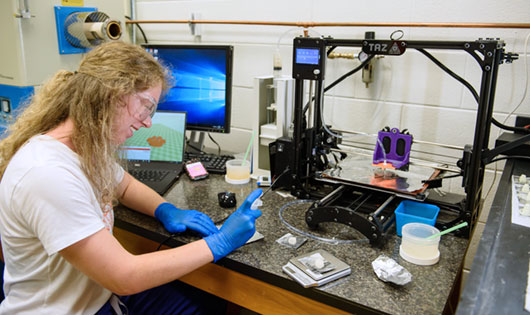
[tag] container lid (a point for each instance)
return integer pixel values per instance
(419, 261)
(237, 181)
(419, 232)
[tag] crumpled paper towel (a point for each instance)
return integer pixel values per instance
(388, 270)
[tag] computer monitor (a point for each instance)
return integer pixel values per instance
(202, 84)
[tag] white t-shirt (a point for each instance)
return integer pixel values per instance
(46, 205)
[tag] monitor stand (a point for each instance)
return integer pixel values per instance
(196, 145)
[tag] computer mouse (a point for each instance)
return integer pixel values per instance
(227, 199)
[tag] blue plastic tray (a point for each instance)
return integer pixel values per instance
(411, 211)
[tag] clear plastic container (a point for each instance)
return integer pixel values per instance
(237, 171)
(416, 248)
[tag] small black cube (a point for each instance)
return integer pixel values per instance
(227, 199)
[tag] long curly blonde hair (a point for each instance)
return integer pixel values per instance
(90, 97)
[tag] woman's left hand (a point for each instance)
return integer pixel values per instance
(178, 220)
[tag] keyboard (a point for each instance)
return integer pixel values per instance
(149, 175)
(213, 163)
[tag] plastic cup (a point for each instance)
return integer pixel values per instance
(237, 172)
(416, 248)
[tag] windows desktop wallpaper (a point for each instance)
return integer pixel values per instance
(199, 86)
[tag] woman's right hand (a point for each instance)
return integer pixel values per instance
(237, 229)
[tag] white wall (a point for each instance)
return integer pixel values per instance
(408, 91)
(26, 43)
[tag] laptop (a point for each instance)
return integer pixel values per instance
(155, 155)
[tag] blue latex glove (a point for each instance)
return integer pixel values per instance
(178, 220)
(237, 229)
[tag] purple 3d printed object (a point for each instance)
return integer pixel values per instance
(396, 146)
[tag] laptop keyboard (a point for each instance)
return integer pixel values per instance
(149, 175)
(213, 163)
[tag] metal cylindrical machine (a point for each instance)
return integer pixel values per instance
(32, 44)
(88, 29)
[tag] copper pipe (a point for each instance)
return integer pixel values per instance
(354, 24)
(334, 55)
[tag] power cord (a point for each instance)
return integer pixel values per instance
(521, 157)
(218, 146)
(342, 78)
(474, 92)
(140, 28)
(201, 151)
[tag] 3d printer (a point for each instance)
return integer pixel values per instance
(363, 196)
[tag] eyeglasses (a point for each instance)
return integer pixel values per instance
(148, 108)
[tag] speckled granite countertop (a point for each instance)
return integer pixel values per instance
(360, 292)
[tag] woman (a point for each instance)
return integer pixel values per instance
(60, 177)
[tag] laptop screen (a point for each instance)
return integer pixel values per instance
(164, 141)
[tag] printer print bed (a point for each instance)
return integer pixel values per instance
(359, 170)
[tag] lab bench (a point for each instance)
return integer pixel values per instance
(499, 272)
(252, 275)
